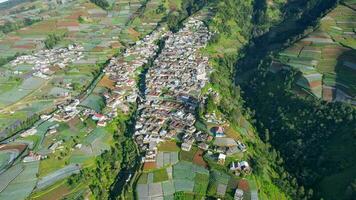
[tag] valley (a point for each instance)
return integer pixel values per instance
(177, 99)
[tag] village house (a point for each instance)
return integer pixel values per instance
(238, 167)
(239, 194)
(221, 159)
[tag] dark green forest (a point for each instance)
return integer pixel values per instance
(305, 134)
(304, 130)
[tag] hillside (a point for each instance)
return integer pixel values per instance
(326, 56)
(306, 131)
(178, 99)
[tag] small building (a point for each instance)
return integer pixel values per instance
(241, 166)
(239, 194)
(98, 117)
(225, 142)
(203, 146)
(101, 123)
(29, 132)
(31, 157)
(51, 131)
(241, 146)
(254, 195)
(186, 146)
(218, 131)
(221, 159)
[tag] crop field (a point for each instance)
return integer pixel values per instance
(160, 175)
(182, 177)
(188, 156)
(23, 184)
(94, 102)
(7, 157)
(218, 182)
(83, 23)
(166, 158)
(198, 159)
(327, 56)
(4, 159)
(93, 144)
(106, 82)
(9, 175)
(54, 192)
(9, 153)
(57, 175)
(168, 146)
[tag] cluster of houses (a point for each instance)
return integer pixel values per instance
(124, 71)
(32, 156)
(66, 112)
(46, 62)
(225, 146)
(173, 86)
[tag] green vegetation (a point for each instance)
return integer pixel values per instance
(52, 40)
(300, 132)
(103, 176)
(188, 155)
(160, 175)
(307, 142)
(169, 146)
(201, 184)
(267, 163)
(188, 7)
(104, 4)
(13, 26)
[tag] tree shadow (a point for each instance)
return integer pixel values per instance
(340, 85)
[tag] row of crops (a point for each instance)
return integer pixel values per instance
(327, 56)
(185, 177)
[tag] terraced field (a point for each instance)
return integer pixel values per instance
(327, 56)
(80, 22)
(165, 182)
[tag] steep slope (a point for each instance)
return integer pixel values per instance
(326, 57)
(308, 133)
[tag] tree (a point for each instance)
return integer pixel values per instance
(104, 4)
(52, 40)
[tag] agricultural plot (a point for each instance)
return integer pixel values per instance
(9, 176)
(188, 155)
(326, 57)
(57, 175)
(166, 158)
(9, 153)
(21, 186)
(83, 23)
(145, 23)
(165, 182)
(218, 183)
(92, 142)
(94, 102)
(6, 158)
(168, 146)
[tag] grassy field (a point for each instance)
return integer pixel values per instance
(50, 165)
(23, 184)
(169, 146)
(188, 155)
(160, 175)
(54, 192)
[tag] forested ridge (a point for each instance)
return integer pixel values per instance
(314, 138)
